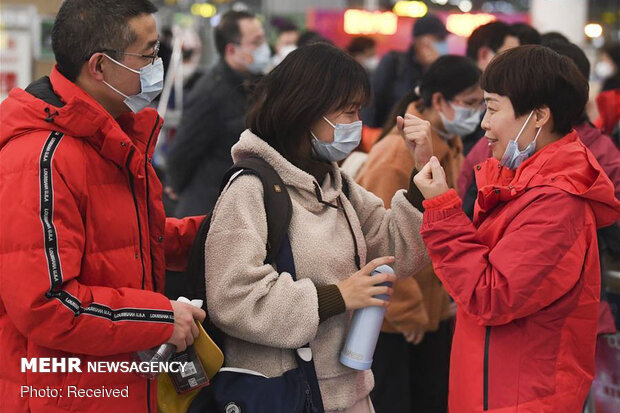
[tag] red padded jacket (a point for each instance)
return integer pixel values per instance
(526, 278)
(83, 242)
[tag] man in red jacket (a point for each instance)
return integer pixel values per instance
(84, 237)
(525, 274)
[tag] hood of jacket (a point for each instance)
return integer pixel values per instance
(588, 133)
(328, 191)
(565, 164)
(56, 104)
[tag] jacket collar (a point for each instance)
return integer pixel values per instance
(328, 191)
(565, 164)
(231, 76)
(81, 116)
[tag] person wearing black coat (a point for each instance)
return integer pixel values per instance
(214, 115)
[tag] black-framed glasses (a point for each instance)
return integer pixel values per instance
(153, 56)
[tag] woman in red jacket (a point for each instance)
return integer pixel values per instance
(525, 274)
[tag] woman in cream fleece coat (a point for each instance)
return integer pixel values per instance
(265, 314)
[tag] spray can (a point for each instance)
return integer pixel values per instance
(359, 348)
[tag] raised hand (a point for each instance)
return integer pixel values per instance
(417, 135)
(431, 180)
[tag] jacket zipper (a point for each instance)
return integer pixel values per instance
(148, 210)
(148, 217)
(148, 395)
(485, 396)
(135, 202)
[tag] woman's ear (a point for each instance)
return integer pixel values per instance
(543, 116)
(437, 101)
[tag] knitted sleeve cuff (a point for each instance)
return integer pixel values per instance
(413, 194)
(331, 302)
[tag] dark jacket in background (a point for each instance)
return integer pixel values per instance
(396, 75)
(213, 119)
(469, 141)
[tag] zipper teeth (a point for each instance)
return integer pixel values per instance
(148, 210)
(485, 395)
(135, 203)
(148, 395)
(148, 217)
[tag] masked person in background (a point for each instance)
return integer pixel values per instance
(213, 114)
(607, 69)
(412, 358)
(303, 121)
(399, 71)
(84, 241)
(286, 42)
(526, 273)
(364, 50)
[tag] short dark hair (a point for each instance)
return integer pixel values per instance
(299, 91)
(84, 27)
(549, 37)
(574, 53)
(526, 33)
(228, 30)
(448, 75)
(360, 44)
(282, 25)
(311, 37)
(491, 35)
(534, 76)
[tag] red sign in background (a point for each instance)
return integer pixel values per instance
(330, 24)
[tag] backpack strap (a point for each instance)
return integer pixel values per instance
(193, 280)
(278, 206)
(279, 251)
(278, 209)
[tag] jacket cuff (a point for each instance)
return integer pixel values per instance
(330, 300)
(441, 206)
(413, 194)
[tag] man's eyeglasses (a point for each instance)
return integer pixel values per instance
(152, 57)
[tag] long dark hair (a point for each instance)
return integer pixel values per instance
(448, 75)
(399, 110)
(310, 82)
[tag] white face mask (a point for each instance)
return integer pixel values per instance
(151, 84)
(513, 157)
(603, 69)
(262, 58)
(284, 51)
(371, 63)
(466, 120)
(347, 137)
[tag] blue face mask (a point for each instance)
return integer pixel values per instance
(442, 47)
(513, 157)
(347, 137)
(151, 84)
(466, 120)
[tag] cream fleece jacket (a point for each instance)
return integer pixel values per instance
(267, 314)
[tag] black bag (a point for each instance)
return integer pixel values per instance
(234, 390)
